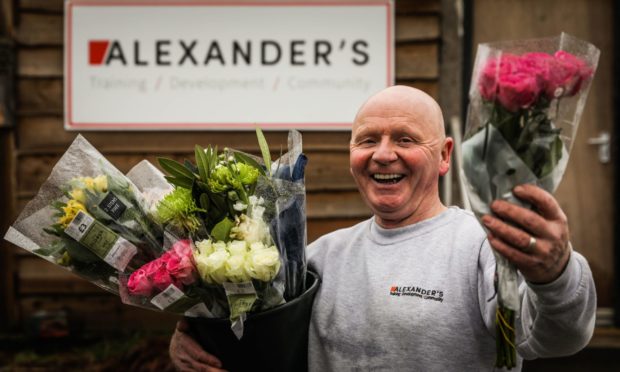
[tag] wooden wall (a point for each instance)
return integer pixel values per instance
(39, 139)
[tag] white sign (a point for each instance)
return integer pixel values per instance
(225, 65)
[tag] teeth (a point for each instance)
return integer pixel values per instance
(386, 176)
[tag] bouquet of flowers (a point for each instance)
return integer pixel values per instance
(526, 99)
(88, 218)
(229, 222)
(219, 239)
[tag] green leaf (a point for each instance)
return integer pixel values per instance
(210, 155)
(189, 165)
(264, 149)
(221, 230)
(204, 201)
(175, 168)
(201, 162)
(58, 205)
(181, 182)
(243, 158)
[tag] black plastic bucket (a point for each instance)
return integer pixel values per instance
(273, 340)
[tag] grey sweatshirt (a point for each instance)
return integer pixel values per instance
(417, 299)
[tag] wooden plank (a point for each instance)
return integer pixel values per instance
(318, 228)
(344, 204)
(415, 61)
(416, 28)
(40, 29)
(431, 87)
(7, 201)
(451, 88)
(40, 96)
(56, 6)
(39, 62)
(46, 134)
(417, 6)
(325, 170)
(7, 19)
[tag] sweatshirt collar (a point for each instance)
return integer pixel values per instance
(383, 236)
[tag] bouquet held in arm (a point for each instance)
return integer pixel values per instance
(231, 249)
(526, 99)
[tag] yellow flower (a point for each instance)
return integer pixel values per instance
(77, 194)
(71, 210)
(101, 183)
(89, 183)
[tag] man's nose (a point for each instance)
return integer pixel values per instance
(385, 153)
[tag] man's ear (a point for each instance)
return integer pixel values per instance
(446, 155)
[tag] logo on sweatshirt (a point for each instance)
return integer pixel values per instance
(414, 291)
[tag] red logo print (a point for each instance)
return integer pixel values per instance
(97, 49)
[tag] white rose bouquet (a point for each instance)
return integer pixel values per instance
(232, 208)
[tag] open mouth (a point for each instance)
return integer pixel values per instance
(387, 178)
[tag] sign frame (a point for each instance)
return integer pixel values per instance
(71, 124)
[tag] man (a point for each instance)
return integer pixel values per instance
(412, 287)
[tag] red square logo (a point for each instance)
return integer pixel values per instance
(97, 50)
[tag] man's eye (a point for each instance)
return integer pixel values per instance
(367, 141)
(406, 140)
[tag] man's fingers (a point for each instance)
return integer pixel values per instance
(511, 235)
(544, 202)
(207, 358)
(182, 325)
(528, 220)
(196, 353)
(513, 255)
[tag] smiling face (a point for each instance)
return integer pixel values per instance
(398, 151)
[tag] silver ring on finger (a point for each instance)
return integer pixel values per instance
(531, 246)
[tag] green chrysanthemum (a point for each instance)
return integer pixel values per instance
(179, 208)
(247, 174)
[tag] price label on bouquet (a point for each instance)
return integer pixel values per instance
(213, 65)
(102, 241)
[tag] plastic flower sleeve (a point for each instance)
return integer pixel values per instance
(526, 99)
(288, 223)
(88, 218)
(168, 283)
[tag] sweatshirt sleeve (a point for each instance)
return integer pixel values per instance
(556, 319)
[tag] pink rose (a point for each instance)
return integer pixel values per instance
(182, 248)
(517, 91)
(181, 269)
(152, 267)
(570, 72)
(139, 283)
(491, 72)
(162, 278)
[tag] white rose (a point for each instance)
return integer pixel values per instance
(235, 269)
(263, 264)
(215, 267)
(219, 246)
(237, 247)
(201, 266)
(205, 247)
(257, 246)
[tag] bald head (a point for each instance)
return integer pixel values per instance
(402, 100)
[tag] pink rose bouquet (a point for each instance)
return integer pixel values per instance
(175, 267)
(526, 99)
(166, 282)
